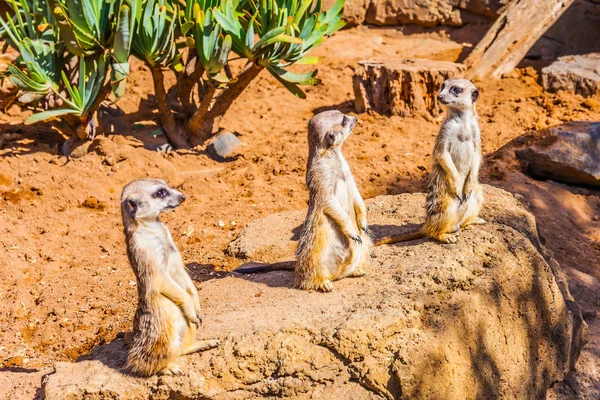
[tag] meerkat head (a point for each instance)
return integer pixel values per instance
(145, 199)
(329, 129)
(458, 93)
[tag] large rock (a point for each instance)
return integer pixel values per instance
(579, 74)
(568, 153)
(489, 317)
(402, 87)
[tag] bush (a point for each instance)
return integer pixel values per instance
(74, 53)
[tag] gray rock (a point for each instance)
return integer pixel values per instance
(75, 147)
(568, 153)
(579, 74)
(490, 317)
(224, 146)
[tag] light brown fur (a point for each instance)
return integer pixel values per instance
(334, 242)
(168, 312)
(454, 196)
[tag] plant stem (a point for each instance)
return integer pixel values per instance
(201, 123)
(185, 88)
(87, 125)
(174, 133)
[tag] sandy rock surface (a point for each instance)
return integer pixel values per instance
(579, 74)
(489, 317)
(419, 12)
(566, 153)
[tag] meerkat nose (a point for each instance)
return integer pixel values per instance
(440, 97)
(182, 197)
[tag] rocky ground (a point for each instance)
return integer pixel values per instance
(428, 321)
(67, 287)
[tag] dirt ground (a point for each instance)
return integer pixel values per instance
(66, 285)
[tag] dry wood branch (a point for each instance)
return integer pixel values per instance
(517, 29)
(174, 133)
(201, 123)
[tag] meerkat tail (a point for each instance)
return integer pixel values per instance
(399, 238)
(254, 267)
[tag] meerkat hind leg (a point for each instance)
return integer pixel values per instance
(454, 229)
(351, 263)
(200, 345)
(325, 286)
(447, 238)
(476, 221)
(470, 216)
(171, 369)
(363, 263)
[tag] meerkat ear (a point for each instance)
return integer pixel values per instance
(131, 206)
(474, 95)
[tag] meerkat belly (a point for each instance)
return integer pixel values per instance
(176, 268)
(462, 153)
(342, 195)
(338, 249)
(173, 321)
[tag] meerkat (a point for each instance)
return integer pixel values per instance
(168, 311)
(334, 242)
(454, 196)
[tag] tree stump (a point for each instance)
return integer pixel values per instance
(402, 87)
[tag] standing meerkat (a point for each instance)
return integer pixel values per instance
(168, 312)
(334, 242)
(454, 195)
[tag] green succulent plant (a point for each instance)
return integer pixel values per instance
(31, 32)
(67, 51)
(206, 35)
(155, 38)
(81, 97)
(74, 53)
(286, 30)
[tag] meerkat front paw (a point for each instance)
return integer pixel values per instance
(467, 196)
(198, 314)
(356, 238)
(195, 320)
(364, 226)
(325, 286)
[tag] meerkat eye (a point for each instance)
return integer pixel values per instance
(160, 193)
(443, 86)
(344, 121)
(455, 90)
